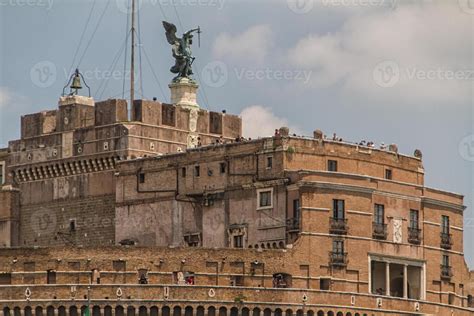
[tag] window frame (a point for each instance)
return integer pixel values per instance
(2, 172)
(388, 174)
(296, 208)
(336, 211)
(338, 246)
(445, 224)
(377, 216)
(414, 219)
(259, 198)
(223, 167)
(197, 171)
(332, 165)
(269, 162)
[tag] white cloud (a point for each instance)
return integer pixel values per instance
(421, 39)
(250, 46)
(259, 121)
(5, 97)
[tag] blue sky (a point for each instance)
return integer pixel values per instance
(382, 70)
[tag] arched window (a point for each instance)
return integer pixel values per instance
(83, 310)
(245, 311)
(330, 313)
(142, 311)
(310, 313)
(348, 314)
(29, 311)
(16, 311)
(256, 311)
(320, 313)
(267, 312)
(223, 311)
(211, 311)
(119, 311)
(61, 311)
(177, 311)
(340, 314)
(96, 311)
(234, 311)
(470, 302)
(278, 312)
(188, 311)
(130, 311)
(108, 310)
(154, 311)
(200, 311)
(300, 313)
(39, 311)
(73, 311)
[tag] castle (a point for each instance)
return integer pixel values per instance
(171, 212)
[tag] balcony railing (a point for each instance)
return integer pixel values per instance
(338, 259)
(293, 224)
(379, 231)
(446, 241)
(414, 235)
(338, 226)
(446, 272)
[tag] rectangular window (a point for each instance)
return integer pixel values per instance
(265, 199)
(338, 246)
(296, 208)
(388, 174)
(338, 209)
(2, 172)
(324, 284)
(379, 214)
(445, 224)
(51, 277)
(414, 217)
(183, 172)
(223, 167)
(5, 278)
(269, 162)
(72, 225)
(193, 240)
(445, 261)
(141, 177)
(197, 171)
(239, 241)
(332, 165)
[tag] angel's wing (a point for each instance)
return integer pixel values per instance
(170, 32)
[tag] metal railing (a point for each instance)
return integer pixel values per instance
(446, 272)
(338, 259)
(338, 226)
(446, 240)
(379, 231)
(414, 235)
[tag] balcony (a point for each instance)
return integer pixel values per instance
(293, 225)
(338, 226)
(446, 272)
(379, 231)
(446, 241)
(338, 259)
(414, 235)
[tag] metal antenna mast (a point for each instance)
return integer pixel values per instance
(132, 62)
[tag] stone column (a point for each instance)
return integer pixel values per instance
(405, 281)
(387, 278)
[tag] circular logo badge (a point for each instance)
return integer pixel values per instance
(386, 74)
(466, 148)
(300, 6)
(43, 74)
(215, 74)
(43, 222)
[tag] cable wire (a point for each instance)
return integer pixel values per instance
(127, 33)
(140, 51)
(86, 26)
(93, 34)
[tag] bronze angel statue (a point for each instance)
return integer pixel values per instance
(181, 48)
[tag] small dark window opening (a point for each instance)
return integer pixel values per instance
(470, 302)
(72, 225)
(282, 280)
(51, 277)
(142, 276)
(197, 171)
(332, 165)
(338, 209)
(223, 167)
(296, 209)
(269, 162)
(239, 241)
(379, 214)
(141, 177)
(237, 280)
(5, 278)
(388, 174)
(324, 284)
(183, 172)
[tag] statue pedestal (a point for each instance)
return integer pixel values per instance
(184, 93)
